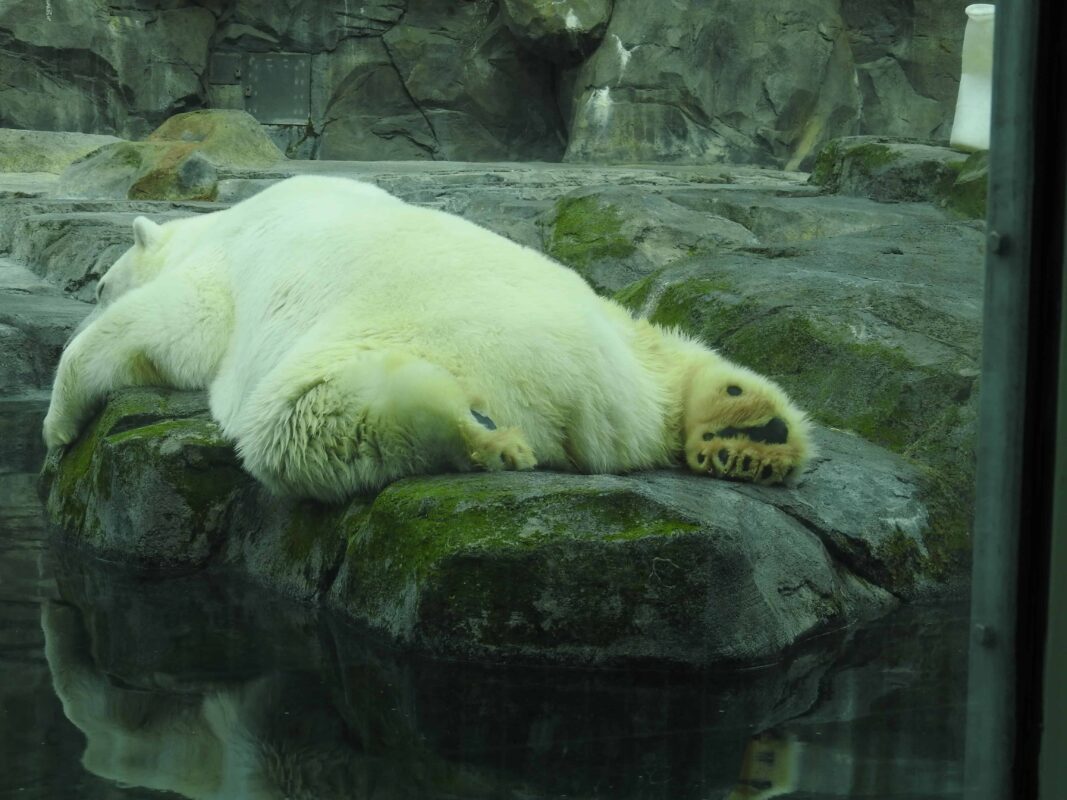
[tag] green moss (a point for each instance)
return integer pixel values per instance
(948, 494)
(824, 172)
(966, 195)
(585, 230)
(684, 305)
(196, 432)
(839, 155)
(903, 560)
(416, 526)
(636, 294)
(309, 525)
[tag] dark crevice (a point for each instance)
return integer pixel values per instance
(407, 93)
(863, 565)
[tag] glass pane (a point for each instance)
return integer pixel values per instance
(656, 481)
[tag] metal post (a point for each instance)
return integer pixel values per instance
(1016, 445)
(1053, 768)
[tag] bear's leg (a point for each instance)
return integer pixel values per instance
(335, 424)
(166, 333)
(742, 426)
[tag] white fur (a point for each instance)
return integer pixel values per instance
(345, 335)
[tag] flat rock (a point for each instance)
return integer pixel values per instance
(46, 151)
(659, 567)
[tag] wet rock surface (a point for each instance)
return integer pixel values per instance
(580, 80)
(867, 312)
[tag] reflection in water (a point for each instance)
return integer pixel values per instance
(204, 687)
(211, 690)
(272, 737)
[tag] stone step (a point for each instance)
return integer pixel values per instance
(36, 319)
(73, 242)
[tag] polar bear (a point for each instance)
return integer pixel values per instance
(347, 339)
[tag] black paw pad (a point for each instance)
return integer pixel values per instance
(774, 432)
(733, 391)
(700, 458)
(724, 456)
(766, 472)
(483, 420)
(746, 463)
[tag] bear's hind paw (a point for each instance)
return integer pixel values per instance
(767, 454)
(502, 449)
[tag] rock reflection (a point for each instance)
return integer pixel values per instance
(889, 721)
(210, 689)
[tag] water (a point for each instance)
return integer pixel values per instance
(118, 685)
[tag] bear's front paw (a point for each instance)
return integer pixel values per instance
(57, 432)
(503, 449)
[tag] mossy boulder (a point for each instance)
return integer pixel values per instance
(886, 169)
(654, 567)
(614, 235)
(180, 160)
(149, 483)
(876, 332)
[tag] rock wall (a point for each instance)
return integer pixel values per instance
(486, 80)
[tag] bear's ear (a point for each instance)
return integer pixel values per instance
(145, 232)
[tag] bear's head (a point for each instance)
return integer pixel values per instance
(137, 266)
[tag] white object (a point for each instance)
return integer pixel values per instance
(970, 129)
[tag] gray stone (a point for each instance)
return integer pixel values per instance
(564, 33)
(907, 56)
(36, 320)
(886, 92)
(731, 81)
(482, 96)
(479, 80)
(45, 151)
(368, 112)
(83, 67)
(159, 447)
(307, 26)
